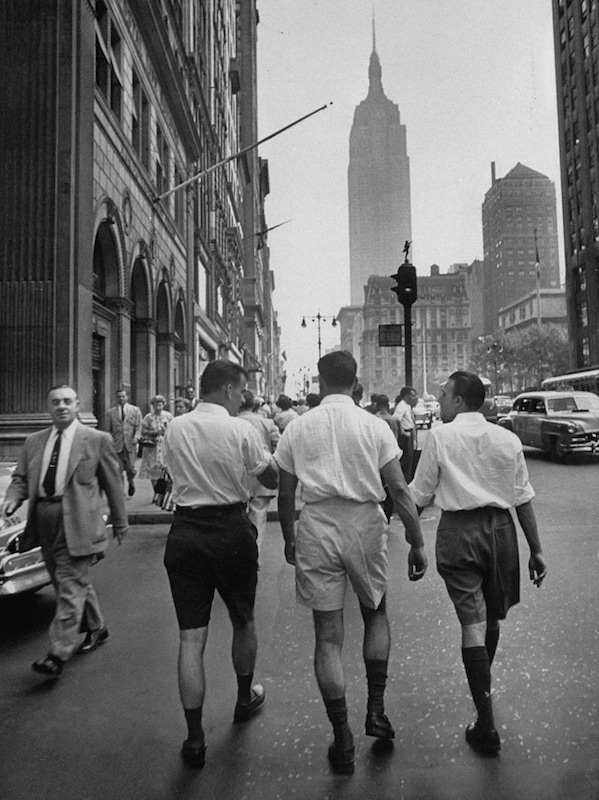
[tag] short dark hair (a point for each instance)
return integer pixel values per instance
(312, 400)
(357, 393)
(219, 373)
(339, 369)
(248, 400)
(469, 387)
(405, 391)
(382, 401)
(284, 402)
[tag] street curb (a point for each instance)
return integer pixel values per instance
(166, 517)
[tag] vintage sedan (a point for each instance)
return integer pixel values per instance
(19, 572)
(423, 415)
(556, 422)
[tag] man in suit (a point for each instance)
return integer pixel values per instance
(124, 425)
(63, 471)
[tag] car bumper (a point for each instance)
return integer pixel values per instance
(23, 572)
(587, 442)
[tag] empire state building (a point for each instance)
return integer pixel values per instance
(378, 184)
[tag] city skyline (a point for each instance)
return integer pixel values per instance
(474, 85)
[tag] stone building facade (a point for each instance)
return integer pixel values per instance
(106, 280)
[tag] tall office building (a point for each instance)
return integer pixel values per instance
(379, 186)
(519, 218)
(576, 36)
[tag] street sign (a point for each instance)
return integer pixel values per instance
(390, 335)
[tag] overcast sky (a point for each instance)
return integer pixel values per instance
(475, 83)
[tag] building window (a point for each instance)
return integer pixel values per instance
(162, 162)
(108, 59)
(140, 122)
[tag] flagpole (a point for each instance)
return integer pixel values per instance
(538, 272)
(238, 154)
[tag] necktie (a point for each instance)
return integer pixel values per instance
(122, 413)
(49, 482)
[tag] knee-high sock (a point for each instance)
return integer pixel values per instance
(478, 672)
(337, 713)
(376, 677)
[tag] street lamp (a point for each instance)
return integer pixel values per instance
(496, 348)
(319, 318)
(407, 294)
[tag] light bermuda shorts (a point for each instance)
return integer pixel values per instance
(338, 540)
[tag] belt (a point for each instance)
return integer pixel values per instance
(224, 509)
(53, 499)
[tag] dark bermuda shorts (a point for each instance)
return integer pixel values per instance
(212, 548)
(477, 557)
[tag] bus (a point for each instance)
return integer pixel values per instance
(581, 381)
(489, 407)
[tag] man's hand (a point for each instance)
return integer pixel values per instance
(9, 507)
(417, 563)
(537, 569)
(290, 552)
(119, 533)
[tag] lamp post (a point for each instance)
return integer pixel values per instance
(318, 319)
(407, 294)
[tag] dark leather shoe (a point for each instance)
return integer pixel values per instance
(93, 639)
(245, 711)
(378, 725)
(193, 756)
(131, 491)
(486, 742)
(50, 665)
(342, 758)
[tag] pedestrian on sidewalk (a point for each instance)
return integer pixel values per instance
(123, 423)
(261, 497)
(211, 546)
(404, 405)
(153, 428)
(63, 471)
(475, 472)
(338, 454)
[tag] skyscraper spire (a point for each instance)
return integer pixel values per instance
(374, 71)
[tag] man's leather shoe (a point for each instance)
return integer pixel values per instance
(245, 711)
(131, 491)
(93, 639)
(50, 665)
(194, 756)
(341, 758)
(486, 742)
(377, 724)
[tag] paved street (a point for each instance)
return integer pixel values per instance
(111, 727)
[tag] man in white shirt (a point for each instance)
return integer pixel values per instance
(210, 456)
(340, 455)
(475, 472)
(260, 496)
(405, 402)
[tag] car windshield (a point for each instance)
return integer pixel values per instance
(578, 402)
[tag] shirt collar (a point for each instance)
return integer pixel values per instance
(67, 433)
(469, 418)
(337, 398)
(210, 408)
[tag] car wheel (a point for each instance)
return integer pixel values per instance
(557, 452)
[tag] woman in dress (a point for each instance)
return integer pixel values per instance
(153, 427)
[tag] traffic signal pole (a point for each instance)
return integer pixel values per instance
(407, 294)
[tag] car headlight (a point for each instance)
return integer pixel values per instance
(573, 429)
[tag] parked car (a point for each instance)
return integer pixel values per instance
(556, 422)
(19, 572)
(423, 415)
(504, 405)
(431, 402)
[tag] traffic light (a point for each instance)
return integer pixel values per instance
(405, 290)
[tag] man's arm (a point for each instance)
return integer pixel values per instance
(18, 489)
(110, 481)
(286, 503)
(537, 569)
(270, 477)
(404, 505)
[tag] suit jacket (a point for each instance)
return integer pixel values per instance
(125, 435)
(93, 468)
